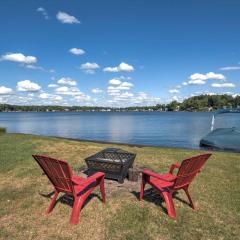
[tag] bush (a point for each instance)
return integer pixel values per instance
(3, 130)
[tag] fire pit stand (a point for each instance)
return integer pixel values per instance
(114, 162)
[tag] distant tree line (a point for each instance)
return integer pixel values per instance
(192, 104)
(50, 108)
(209, 102)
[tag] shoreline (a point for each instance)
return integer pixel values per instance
(127, 144)
(105, 142)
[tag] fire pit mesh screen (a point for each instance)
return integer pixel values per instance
(114, 162)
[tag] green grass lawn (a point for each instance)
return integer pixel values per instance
(215, 191)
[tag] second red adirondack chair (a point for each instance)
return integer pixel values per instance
(167, 184)
(61, 176)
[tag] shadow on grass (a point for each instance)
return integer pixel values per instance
(151, 195)
(68, 199)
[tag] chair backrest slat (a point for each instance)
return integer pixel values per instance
(189, 169)
(58, 172)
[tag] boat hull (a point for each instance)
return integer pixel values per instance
(223, 139)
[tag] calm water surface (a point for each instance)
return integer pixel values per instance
(171, 129)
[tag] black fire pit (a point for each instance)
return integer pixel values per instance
(114, 162)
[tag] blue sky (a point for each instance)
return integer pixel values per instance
(117, 53)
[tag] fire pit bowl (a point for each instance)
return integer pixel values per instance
(114, 162)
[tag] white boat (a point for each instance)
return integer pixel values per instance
(222, 138)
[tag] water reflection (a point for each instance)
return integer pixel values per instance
(120, 128)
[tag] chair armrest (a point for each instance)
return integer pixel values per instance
(173, 166)
(153, 174)
(77, 180)
(89, 180)
(95, 176)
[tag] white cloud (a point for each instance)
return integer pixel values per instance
(82, 98)
(44, 12)
(201, 93)
(129, 98)
(66, 18)
(174, 91)
(126, 95)
(71, 91)
(223, 85)
(18, 57)
(67, 81)
(200, 79)
(127, 84)
(144, 99)
(28, 86)
(120, 87)
(56, 98)
(117, 86)
(5, 90)
(62, 89)
(30, 66)
(50, 97)
(89, 67)
(209, 93)
(175, 98)
(113, 91)
(36, 67)
(196, 82)
(110, 69)
(217, 76)
(230, 68)
(229, 93)
(236, 95)
(40, 9)
(52, 85)
(125, 78)
(97, 90)
(122, 67)
(125, 67)
(143, 95)
(114, 81)
(204, 77)
(77, 51)
(19, 99)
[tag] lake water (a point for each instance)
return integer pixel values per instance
(171, 129)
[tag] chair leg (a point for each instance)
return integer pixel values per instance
(77, 205)
(102, 189)
(53, 202)
(169, 204)
(189, 198)
(142, 188)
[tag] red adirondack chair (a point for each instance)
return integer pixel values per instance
(168, 183)
(61, 176)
